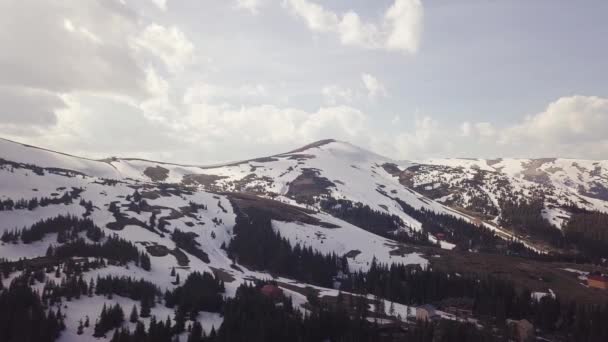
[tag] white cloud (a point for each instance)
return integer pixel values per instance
(427, 138)
(568, 119)
(161, 4)
(399, 29)
(268, 124)
(83, 31)
(169, 44)
(333, 94)
(485, 129)
(404, 21)
(573, 126)
(465, 129)
(252, 6)
(374, 87)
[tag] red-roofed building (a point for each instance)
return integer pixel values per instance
(597, 281)
(271, 291)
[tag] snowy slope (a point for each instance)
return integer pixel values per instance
(29, 172)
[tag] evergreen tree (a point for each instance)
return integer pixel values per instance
(134, 317)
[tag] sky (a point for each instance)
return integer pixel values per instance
(205, 81)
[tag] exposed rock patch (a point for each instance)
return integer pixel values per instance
(157, 173)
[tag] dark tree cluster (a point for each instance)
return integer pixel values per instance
(187, 241)
(588, 230)
(31, 204)
(158, 331)
(194, 207)
(140, 290)
(113, 248)
(492, 299)
(23, 317)
(465, 235)
(362, 216)
(88, 206)
(251, 316)
(69, 287)
(200, 292)
(67, 227)
(526, 218)
(109, 318)
(275, 254)
(10, 165)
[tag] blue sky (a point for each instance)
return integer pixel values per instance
(207, 81)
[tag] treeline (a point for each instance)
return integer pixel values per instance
(141, 290)
(113, 248)
(251, 316)
(256, 244)
(67, 227)
(464, 234)
(5, 164)
(588, 230)
(67, 198)
(526, 218)
(491, 297)
(362, 215)
(373, 221)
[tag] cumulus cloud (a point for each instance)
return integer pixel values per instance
(374, 87)
(426, 139)
(269, 124)
(568, 119)
(399, 29)
(572, 126)
(169, 44)
(478, 130)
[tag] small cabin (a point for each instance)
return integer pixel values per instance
(597, 281)
(271, 291)
(520, 330)
(426, 313)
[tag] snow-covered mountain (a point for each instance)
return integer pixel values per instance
(482, 186)
(184, 216)
(472, 189)
(145, 203)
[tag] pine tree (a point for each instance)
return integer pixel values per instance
(134, 317)
(80, 328)
(145, 309)
(196, 334)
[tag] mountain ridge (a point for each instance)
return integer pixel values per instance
(312, 221)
